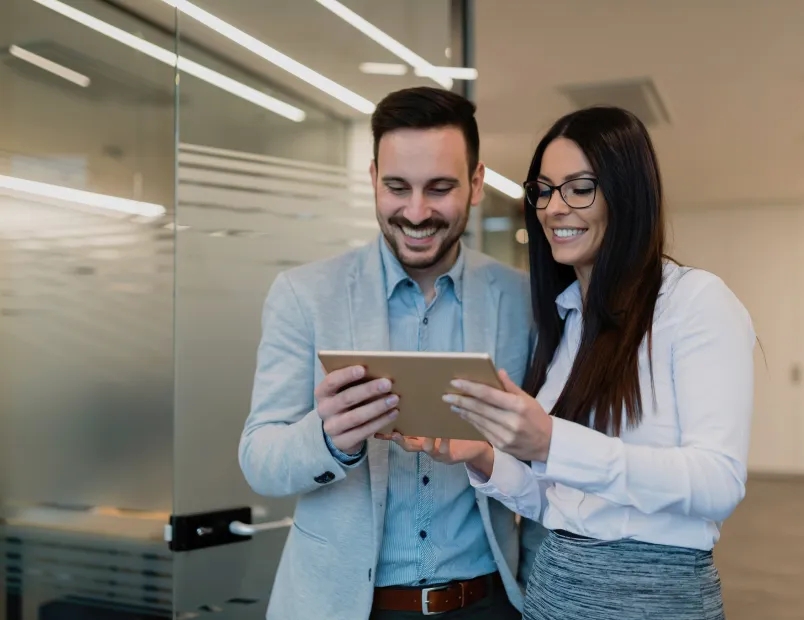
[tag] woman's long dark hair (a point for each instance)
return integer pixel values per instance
(626, 276)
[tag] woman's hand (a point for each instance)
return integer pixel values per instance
(477, 454)
(512, 420)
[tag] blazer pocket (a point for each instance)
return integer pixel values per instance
(320, 540)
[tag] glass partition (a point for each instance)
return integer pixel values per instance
(156, 174)
(86, 313)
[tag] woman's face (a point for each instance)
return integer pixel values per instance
(575, 234)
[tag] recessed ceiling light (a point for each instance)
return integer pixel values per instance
(456, 73)
(391, 68)
(506, 186)
(48, 65)
(383, 68)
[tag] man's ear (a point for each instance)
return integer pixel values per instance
(478, 184)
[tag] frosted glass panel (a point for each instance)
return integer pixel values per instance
(86, 315)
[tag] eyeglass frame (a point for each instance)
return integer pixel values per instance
(553, 189)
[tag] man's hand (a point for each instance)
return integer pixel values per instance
(354, 414)
(477, 454)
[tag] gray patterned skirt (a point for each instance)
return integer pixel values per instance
(576, 578)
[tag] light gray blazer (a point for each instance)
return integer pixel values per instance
(328, 564)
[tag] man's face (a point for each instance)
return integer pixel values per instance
(423, 193)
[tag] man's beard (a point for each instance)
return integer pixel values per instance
(394, 226)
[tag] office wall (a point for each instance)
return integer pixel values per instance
(759, 254)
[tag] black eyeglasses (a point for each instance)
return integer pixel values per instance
(576, 193)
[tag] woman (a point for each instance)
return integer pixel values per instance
(635, 445)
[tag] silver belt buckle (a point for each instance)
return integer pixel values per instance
(426, 604)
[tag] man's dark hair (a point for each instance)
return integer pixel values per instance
(427, 108)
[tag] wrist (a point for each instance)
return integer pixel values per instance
(543, 451)
(483, 463)
(353, 451)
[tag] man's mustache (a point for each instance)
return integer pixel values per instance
(430, 222)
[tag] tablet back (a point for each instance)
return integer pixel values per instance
(421, 379)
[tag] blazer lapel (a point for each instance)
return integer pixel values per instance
(368, 312)
(481, 302)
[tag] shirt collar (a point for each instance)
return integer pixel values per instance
(395, 274)
(570, 299)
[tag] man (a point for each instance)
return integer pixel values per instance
(380, 532)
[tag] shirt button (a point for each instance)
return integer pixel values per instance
(423, 534)
(425, 321)
(425, 481)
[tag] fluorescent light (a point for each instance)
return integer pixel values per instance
(506, 186)
(383, 68)
(48, 65)
(380, 37)
(77, 196)
(273, 56)
(390, 68)
(456, 73)
(231, 86)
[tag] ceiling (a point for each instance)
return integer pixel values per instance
(730, 74)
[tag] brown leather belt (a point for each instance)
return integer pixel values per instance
(437, 599)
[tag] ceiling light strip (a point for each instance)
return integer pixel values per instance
(506, 186)
(214, 78)
(273, 56)
(385, 40)
(77, 196)
(48, 65)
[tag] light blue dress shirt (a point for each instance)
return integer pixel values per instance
(433, 529)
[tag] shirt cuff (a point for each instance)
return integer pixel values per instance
(347, 460)
(509, 477)
(580, 457)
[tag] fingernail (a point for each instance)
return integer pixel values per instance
(449, 398)
(392, 400)
(358, 372)
(394, 413)
(457, 410)
(456, 383)
(384, 385)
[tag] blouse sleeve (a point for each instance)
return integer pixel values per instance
(513, 484)
(713, 376)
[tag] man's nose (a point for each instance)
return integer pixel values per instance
(417, 209)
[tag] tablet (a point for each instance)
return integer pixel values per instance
(421, 379)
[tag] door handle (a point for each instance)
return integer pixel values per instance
(238, 528)
(221, 527)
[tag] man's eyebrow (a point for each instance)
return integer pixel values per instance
(433, 181)
(452, 180)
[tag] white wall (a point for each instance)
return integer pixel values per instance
(758, 252)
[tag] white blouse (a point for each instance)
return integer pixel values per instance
(682, 471)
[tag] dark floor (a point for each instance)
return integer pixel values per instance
(760, 555)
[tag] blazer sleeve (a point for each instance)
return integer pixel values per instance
(283, 450)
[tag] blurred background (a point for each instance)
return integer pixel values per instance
(162, 161)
